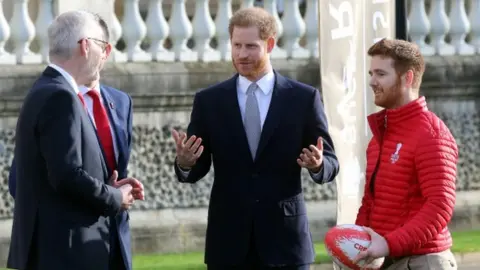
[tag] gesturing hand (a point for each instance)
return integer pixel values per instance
(187, 151)
(137, 189)
(312, 158)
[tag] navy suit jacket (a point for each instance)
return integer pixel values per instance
(262, 199)
(119, 107)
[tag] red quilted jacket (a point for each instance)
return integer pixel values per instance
(409, 192)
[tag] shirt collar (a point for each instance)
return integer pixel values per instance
(67, 76)
(83, 89)
(265, 84)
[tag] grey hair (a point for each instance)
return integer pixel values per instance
(68, 28)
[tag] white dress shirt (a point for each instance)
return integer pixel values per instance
(264, 97)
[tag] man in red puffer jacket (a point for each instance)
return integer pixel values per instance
(412, 158)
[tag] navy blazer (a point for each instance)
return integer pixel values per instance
(63, 203)
(119, 108)
(262, 198)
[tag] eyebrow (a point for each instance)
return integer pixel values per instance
(377, 70)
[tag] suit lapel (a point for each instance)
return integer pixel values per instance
(234, 116)
(280, 98)
(114, 122)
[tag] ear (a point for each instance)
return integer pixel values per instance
(270, 44)
(108, 50)
(408, 78)
(84, 47)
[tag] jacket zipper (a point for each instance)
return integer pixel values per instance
(377, 166)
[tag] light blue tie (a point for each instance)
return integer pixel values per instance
(251, 122)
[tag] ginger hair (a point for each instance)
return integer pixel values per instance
(406, 56)
(254, 16)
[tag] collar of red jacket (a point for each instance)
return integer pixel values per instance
(380, 120)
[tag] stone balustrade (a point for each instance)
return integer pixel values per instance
(182, 30)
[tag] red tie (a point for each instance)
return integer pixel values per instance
(103, 128)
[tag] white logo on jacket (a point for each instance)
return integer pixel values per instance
(395, 156)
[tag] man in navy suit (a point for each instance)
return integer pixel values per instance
(260, 129)
(109, 111)
(119, 108)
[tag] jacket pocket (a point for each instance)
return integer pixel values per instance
(293, 208)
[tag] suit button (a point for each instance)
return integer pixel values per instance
(257, 201)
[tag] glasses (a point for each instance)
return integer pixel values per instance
(100, 42)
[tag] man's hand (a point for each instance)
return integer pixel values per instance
(137, 191)
(378, 248)
(188, 151)
(127, 197)
(312, 158)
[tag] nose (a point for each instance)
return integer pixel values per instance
(242, 53)
(372, 82)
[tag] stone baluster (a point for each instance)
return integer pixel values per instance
(271, 7)
(203, 32)
(408, 28)
(474, 16)
(157, 32)
(134, 31)
(224, 12)
(419, 26)
(44, 18)
(459, 28)
(115, 35)
(180, 31)
(23, 32)
(247, 3)
(311, 20)
(440, 26)
(5, 57)
(293, 30)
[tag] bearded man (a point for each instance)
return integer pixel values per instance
(260, 129)
(412, 159)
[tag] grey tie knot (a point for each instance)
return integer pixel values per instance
(252, 88)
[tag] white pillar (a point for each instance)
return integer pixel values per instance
(311, 21)
(474, 16)
(180, 31)
(157, 32)
(293, 30)
(271, 7)
(44, 18)
(460, 27)
(23, 32)
(134, 31)
(203, 31)
(419, 26)
(224, 12)
(5, 57)
(440, 28)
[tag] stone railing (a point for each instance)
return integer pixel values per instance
(162, 96)
(180, 30)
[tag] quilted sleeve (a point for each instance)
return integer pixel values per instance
(364, 210)
(436, 163)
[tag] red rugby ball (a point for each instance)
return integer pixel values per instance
(344, 242)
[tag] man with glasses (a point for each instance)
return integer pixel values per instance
(68, 158)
